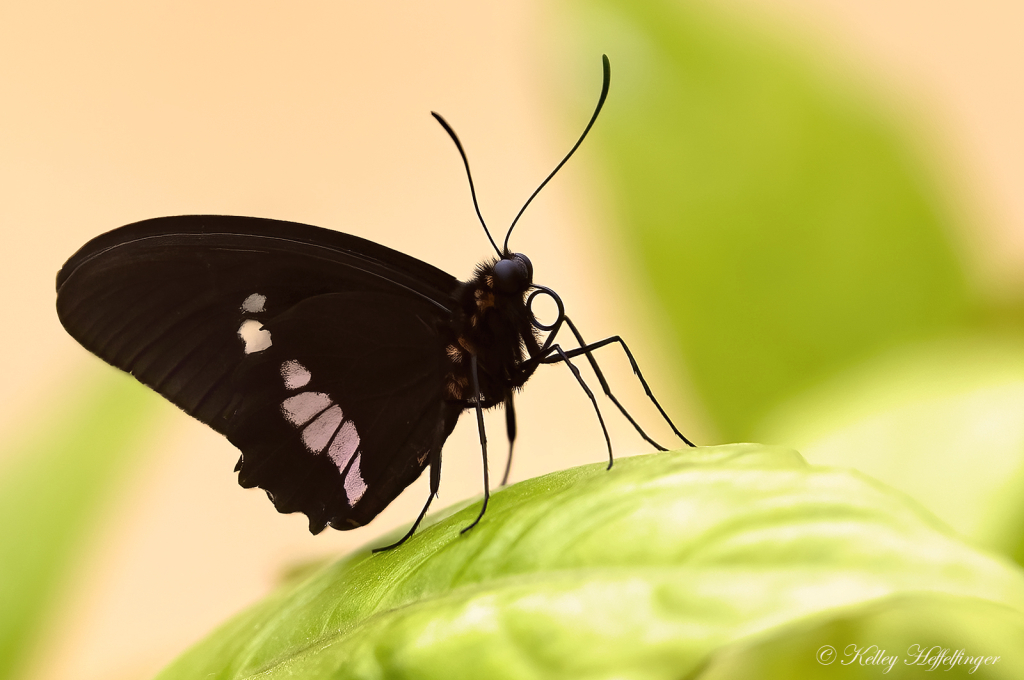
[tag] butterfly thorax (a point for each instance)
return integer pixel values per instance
(494, 323)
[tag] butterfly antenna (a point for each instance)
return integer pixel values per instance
(600, 103)
(465, 161)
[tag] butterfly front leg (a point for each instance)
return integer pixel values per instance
(587, 350)
(562, 356)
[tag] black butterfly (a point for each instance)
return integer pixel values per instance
(339, 367)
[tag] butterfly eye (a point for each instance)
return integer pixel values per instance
(514, 274)
(526, 263)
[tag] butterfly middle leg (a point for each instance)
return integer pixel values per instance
(475, 382)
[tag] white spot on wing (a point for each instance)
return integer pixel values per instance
(319, 432)
(301, 408)
(344, 445)
(355, 487)
(254, 304)
(295, 375)
(255, 337)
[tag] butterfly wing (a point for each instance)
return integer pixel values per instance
(223, 315)
(344, 408)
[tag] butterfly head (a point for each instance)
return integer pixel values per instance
(513, 273)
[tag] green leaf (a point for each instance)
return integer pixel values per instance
(944, 425)
(781, 222)
(645, 571)
(52, 488)
(904, 637)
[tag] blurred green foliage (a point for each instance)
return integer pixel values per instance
(785, 230)
(53, 487)
(645, 571)
(945, 423)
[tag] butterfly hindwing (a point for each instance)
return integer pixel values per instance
(345, 407)
(207, 310)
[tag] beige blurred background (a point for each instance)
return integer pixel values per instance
(319, 113)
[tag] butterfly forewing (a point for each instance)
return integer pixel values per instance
(253, 325)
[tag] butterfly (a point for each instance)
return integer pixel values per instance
(336, 365)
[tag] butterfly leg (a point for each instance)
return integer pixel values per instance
(586, 349)
(564, 357)
(475, 377)
(608, 390)
(510, 427)
(412, 529)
